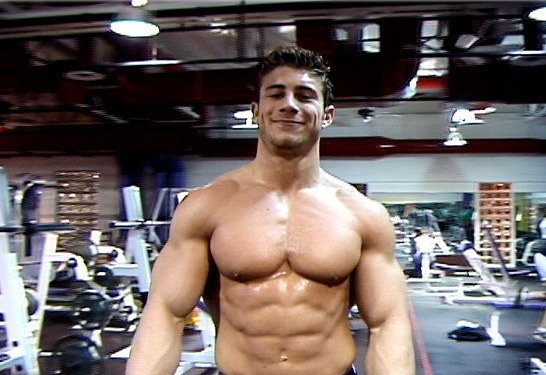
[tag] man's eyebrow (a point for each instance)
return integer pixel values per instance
(307, 88)
(300, 87)
(274, 87)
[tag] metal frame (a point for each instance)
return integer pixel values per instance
(135, 245)
(21, 348)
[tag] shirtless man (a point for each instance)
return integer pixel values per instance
(278, 249)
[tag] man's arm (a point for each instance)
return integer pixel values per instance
(178, 279)
(380, 292)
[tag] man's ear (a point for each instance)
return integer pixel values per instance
(328, 117)
(254, 109)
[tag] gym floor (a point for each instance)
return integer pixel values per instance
(433, 319)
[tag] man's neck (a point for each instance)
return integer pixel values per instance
(287, 172)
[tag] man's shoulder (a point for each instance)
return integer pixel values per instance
(365, 209)
(197, 212)
(361, 205)
(354, 198)
(218, 190)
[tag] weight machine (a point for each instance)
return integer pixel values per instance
(22, 324)
(29, 262)
(21, 354)
(537, 366)
(136, 250)
(501, 290)
(138, 229)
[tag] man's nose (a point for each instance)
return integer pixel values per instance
(289, 103)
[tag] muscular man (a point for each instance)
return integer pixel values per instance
(278, 249)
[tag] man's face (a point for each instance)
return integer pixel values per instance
(291, 109)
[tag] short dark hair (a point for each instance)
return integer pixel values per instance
(299, 58)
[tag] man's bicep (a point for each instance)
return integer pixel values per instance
(380, 288)
(180, 272)
(179, 275)
(379, 283)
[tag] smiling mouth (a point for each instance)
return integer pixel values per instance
(288, 122)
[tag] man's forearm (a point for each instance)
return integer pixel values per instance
(390, 351)
(155, 350)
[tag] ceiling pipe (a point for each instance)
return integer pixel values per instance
(93, 19)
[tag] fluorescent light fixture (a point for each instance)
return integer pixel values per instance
(134, 22)
(246, 125)
(246, 115)
(486, 110)
(538, 14)
(526, 53)
(285, 29)
(151, 62)
(139, 3)
(243, 115)
(463, 116)
(465, 41)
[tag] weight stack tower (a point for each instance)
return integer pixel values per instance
(76, 202)
(496, 208)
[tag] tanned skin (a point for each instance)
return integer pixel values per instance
(278, 248)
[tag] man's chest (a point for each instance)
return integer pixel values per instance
(316, 235)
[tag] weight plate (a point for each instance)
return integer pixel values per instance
(77, 355)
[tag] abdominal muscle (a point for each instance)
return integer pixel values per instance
(283, 324)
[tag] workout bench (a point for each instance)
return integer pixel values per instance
(496, 337)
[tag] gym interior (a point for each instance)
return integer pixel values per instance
(102, 135)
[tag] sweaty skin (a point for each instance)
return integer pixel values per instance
(284, 273)
(278, 249)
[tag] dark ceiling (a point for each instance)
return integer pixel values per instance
(69, 85)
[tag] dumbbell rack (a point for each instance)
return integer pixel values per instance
(77, 204)
(496, 210)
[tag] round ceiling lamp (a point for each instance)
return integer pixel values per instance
(538, 14)
(135, 22)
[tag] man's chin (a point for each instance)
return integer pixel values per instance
(290, 144)
(292, 147)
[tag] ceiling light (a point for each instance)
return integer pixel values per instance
(246, 125)
(454, 138)
(84, 75)
(151, 62)
(463, 116)
(246, 115)
(538, 14)
(134, 22)
(285, 29)
(243, 115)
(465, 41)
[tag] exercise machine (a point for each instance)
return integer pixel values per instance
(136, 249)
(503, 294)
(204, 358)
(21, 321)
(138, 230)
(537, 366)
(20, 355)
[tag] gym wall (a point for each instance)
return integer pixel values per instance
(457, 173)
